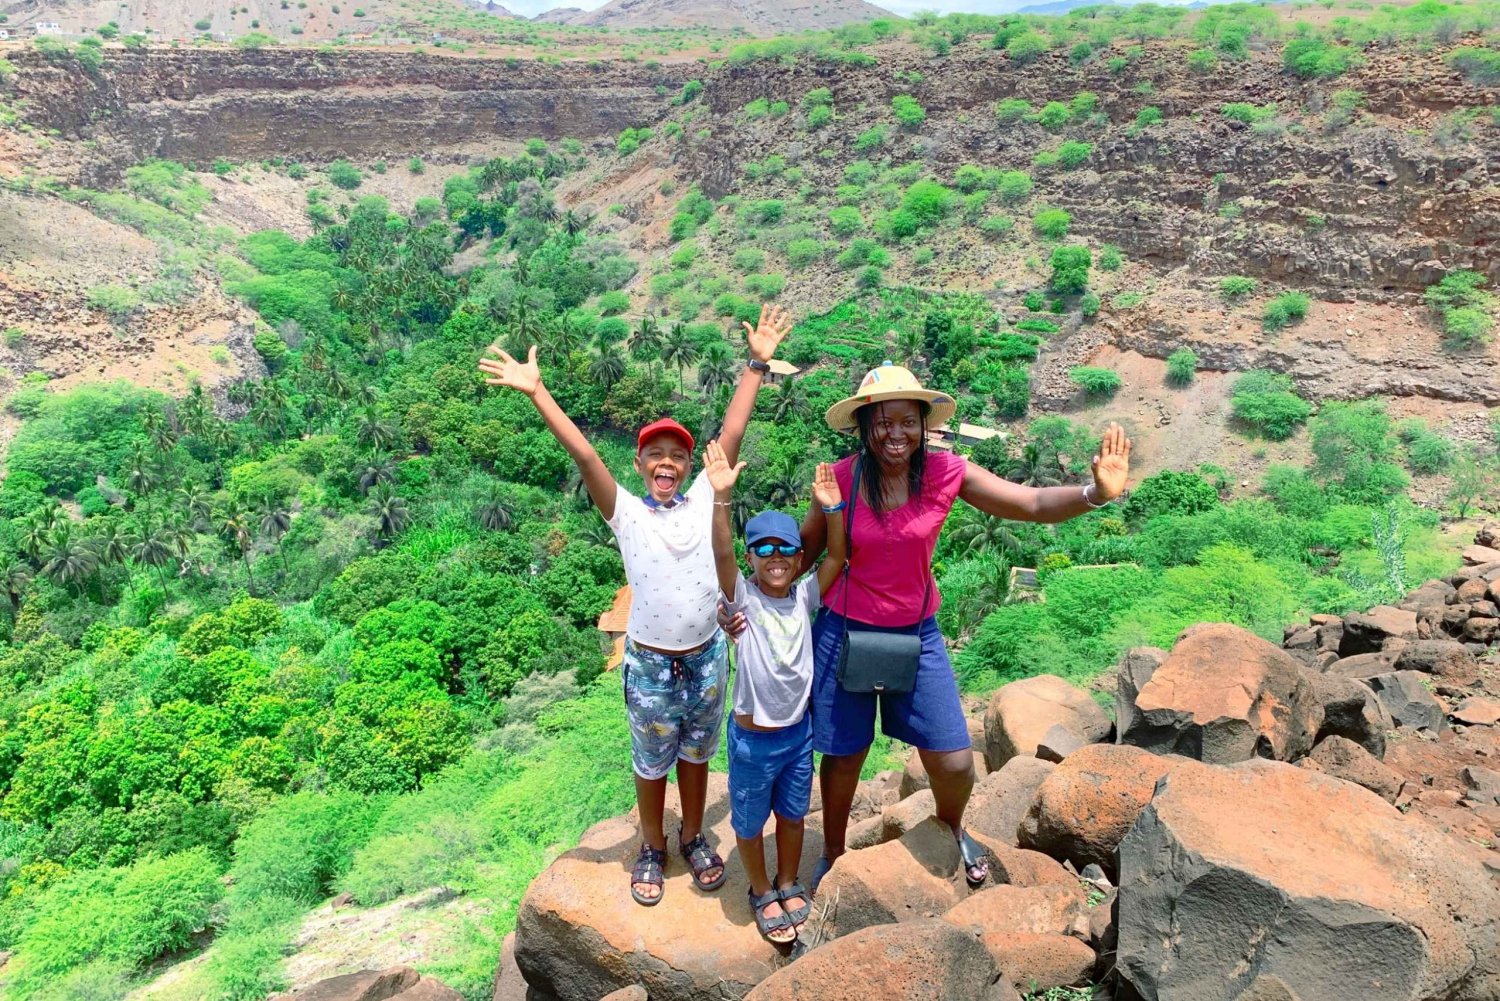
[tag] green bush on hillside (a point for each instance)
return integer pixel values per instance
(1284, 310)
(1265, 403)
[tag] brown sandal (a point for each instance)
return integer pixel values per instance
(701, 858)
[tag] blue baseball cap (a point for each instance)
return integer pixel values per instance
(772, 525)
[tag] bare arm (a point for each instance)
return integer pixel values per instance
(503, 370)
(775, 324)
(1049, 505)
(722, 476)
(826, 494)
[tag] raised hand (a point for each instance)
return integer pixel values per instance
(826, 486)
(503, 370)
(775, 324)
(721, 475)
(1112, 465)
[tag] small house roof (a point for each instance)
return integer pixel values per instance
(615, 617)
(978, 433)
(779, 367)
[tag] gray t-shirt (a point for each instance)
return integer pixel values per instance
(774, 657)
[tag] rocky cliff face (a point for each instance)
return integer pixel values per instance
(194, 106)
(1376, 208)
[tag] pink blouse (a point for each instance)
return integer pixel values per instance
(891, 556)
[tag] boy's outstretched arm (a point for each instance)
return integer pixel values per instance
(722, 477)
(826, 494)
(503, 370)
(763, 338)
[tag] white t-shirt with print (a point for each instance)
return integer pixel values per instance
(774, 656)
(669, 562)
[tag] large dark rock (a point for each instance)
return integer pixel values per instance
(1445, 658)
(1408, 701)
(898, 881)
(928, 960)
(580, 936)
(1002, 798)
(1085, 807)
(1244, 881)
(1223, 695)
(1366, 632)
(1344, 759)
(1021, 713)
(1135, 669)
(1351, 710)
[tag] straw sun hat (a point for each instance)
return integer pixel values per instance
(891, 382)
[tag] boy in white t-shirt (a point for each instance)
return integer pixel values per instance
(676, 659)
(770, 730)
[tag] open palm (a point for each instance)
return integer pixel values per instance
(721, 475)
(763, 338)
(503, 370)
(1112, 465)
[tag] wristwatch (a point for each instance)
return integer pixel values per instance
(758, 365)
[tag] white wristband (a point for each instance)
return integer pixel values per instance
(1087, 499)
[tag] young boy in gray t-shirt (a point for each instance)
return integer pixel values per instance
(770, 732)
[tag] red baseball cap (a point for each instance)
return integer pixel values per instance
(664, 426)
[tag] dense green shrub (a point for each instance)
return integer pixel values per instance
(1265, 403)
(1096, 383)
(1014, 186)
(343, 174)
(1313, 57)
(1284, 310)
(1236, 287)
(1026, 47)
(845, 220)
(1012, 109)
(1480, 65)
(1466, 309)
(1051, 223)
(908, 112)
(1182, 366)
(1171, 492)
(1070, 269)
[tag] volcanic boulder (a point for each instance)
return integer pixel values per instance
(1409, 702)
(1366, 632)
(1351, 710)
(928, 960)
(1021, 713)
(1002, 798)
(1086, 805)
(1344, 759)
(1223, 695)
(1237, 879)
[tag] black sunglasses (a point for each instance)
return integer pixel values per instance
(767, 548)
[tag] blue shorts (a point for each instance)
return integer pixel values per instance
(769, 770)
(675, 704)
(929, 716)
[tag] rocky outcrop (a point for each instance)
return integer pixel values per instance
(1331, 894)
(1224, 695)
(196, 105)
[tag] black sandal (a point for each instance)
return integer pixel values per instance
(701, 858)
(650, 864)
(766, 926)
(974, 856)
(796, 915)
(822, 868)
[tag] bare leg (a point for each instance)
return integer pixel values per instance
(951, 775)
(838, 778)
(753, 854)
(692, 786)
(788, 855)
(650, 800)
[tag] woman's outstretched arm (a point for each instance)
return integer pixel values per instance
(1004, 499)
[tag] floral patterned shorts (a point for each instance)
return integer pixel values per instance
(676, 705)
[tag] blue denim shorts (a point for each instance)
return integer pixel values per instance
(769, 770)
(929, 716)
(675, 704)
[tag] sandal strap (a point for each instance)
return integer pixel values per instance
(769, 897)
(766, 924)
(649, 866)
(700, 855)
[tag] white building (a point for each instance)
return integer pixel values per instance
(46, 28)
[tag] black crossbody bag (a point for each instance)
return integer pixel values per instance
(871, 661)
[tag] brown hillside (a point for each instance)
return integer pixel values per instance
(779, 18)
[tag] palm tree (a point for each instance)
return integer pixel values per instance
(140, 471)
(193, 503)
(909, 344)
(716, 366)
(113, 544)
(379, 435)
(154, 549)
(236, 527)
(378, 469)
(992, 590)
(608, 365)
(36, 531)
(195, 409)
(645, 343)
(390, 510)
(275, 520)
(69, 561)
(596, 533)
(494, 513)
(575, 221)
(1036, 467)
(791, 402)
(159, 429)
(15, 576)
(679, 349)
(781, 484)
(981, 533)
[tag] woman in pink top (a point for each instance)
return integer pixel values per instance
(904, 495)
